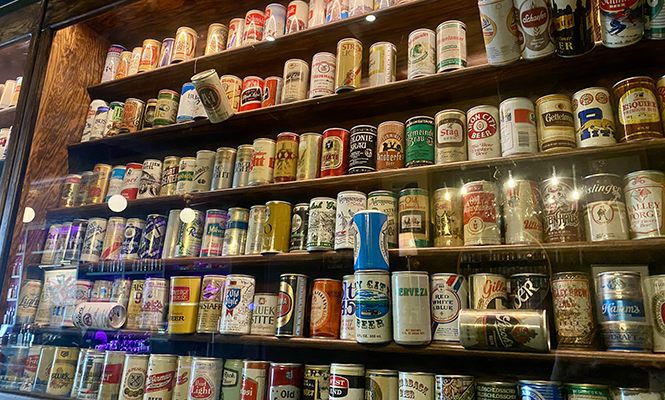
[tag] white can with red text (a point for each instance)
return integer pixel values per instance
(481, 213)
(484, 139)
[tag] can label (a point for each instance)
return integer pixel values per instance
(490, 391)
(556, 129)
(213, 233)
(622, 310)
(416, 386)
(593, 117)
(518, 127)
(348, 203)
(349, 61)
(299, 222)
(382, 63)
(238, 294)
(447, 214)
(419, 141)
(481, 214)
(522, 212)
(621, 22)
(487, 291)
(638, 106)
(450, 137)
(573, 311)
(644, 198)
(286, 158)
(347, 387)
(321, 228)
(530, 291)
(499, 24)
(291, 305)
(332, 156)
(411, 296)
(362, 156)
(391, 146)
(561, 211)
(296, 79)
(414, 219)
(449, 296)
(325, 309)
(605, 209)
(573, 27)
(272, 91)
(316, 383)
(535, 19)
(422, 53)
(373, 311)
(348, 323)
(455, 387)
(264, 315)
(322, 81)
(450, 46)
(152, 240)
(387, 204)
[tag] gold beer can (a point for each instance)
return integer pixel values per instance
(309, 156)
(185, 44)
(183, 304)
(286, 157)
(44, 369)
(277, 229)
(233, 87)
(210, 303)
(349, 64)
(28, 301)
(134, 305)
(99, 183)
(149, 55)
(447, 217)
(63, 371)
(216, 40)
(169, 175)
(556, 125)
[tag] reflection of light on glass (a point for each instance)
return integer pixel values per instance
(187, 215)
(270, 39)
(552, 201)
(511, 183)
(576, 195)
(28, 215)
(117, 203)
(370, 18)
(447, 196)
(555, 181)
(252, 306)
(463, 190)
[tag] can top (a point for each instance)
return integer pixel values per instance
(364, 126)
(633, 79)
(599, 88)
(311, 134)
(455, 376)
(255, 362)
(203, 75)
(601, 174)
(244, 146)
(273, 78)
(156, 215)
(130, 355)
(381, 193)
(134, 99)
(349, 40)
(278, 202)
(412, 191)
(382, 371)
(317, 367)
(644, 172)
(265, 294)
(287, 275)
(296, 60)
(485, 274)
(229, 276)
(496, 383)
(264, 140)
(288, 135)
(205, 152)
(215, 210)
(214, 276)
(238, 210)
(448, 189)
(301, 205)
(272, 364)
(161, 356)
(391, 122)
(339, 365)
(335, 129)
(382, 44)
(409, 273)
(514, 99)
(233, 77)
(421, 30)
(552, 97)
(350, 192)
(169, 91)
(416, 373)
(188, 159)
(528, 274)
(149, 41)
(258, 207)
(536, 382)
(370, 271)
(446, 274)
(481, 182)
(167, 158)
(451, 22)
(426, 117)
(450, 110)
(322, 199)
(185, 277)
(587, 385)
(226, 149)
(323, 53)
(204, 358)
(326, 279)
(351, 276)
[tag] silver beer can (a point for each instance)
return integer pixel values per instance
(321, 224)
(481, 213)
(516, 330)
(450, 131)
(322, 78)
(237, 297)
(349, 202)
(421, 53)
(255, 230)
(205, 162)
(518, 127)
(243, 165)
(263, 162)
(449, 296)
(171, 234)
(373, 310)
(487, 291)
(347, 329)
(235, 235)
(382, 63)
(222, 174)
(416, 386)
(411, 308)
(522, 214)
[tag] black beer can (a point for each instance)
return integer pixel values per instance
(299, 222)
(529, 291)
(292, 305)
(362, 156)
(572, 27)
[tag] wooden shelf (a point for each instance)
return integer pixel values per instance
(7, 117)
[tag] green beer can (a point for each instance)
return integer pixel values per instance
(419, 141)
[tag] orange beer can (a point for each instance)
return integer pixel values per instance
(326, 311)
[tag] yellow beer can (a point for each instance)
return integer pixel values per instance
(184, 304)
(277, 228)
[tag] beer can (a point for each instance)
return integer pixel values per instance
(286, 157)
(264, 314)
(251, 96)
(212, 95)
(487, 291)
(284, 381)
(236, 30)
(336, 10)
(309, 156)
(150, 55)
(235, 235)
(119, 291)
(573, 36)
(77, 294)
(416, 386)
(233, 87)
(391, 145)
(90, 119)
(518, 127)
(114, 118)
(232, 379)
(256, 229)
(253, 29)
(627, 336)
(61, 376)
(349, 62)
(237, 297)
(190, 107)
(654, 18)
(171, 234)
(347, 330)
(218, 35)
(326, 309)
(112, 61)
(481, 213)
(115, 234)
(414, 218)
(185, 44)
(135, 61)
(322, 78)
(385, 201)
(513, 330)
(619, 295)
(535, 20)
(70, 190)
(573, 316)
(75, 240)
(123, 65)
(44, 367)
(449, 296)
(50, 245)
(82, 196)
(151, 179)
(347, 381)
(382, 63)
(132, 239)
(562, 211)
(321, 224)
(28, 300)
(213, 233)
(111, 375)
(594, 117)
(131, 182)
(550, 390)
(296, 16)
(556, 129)
(635, 394)
(61, 244)
(605, 209)
(115, 181)
(373, 319)
(358, 7)
(487, 390)
(134, 304)
(296, 80)
(166, 110)
(299, 223)
(222, 174)
(411, 308)
(335, 152)
(263, 162)
(190, 236)
(349, 202)
(154, 301)
(455, 387)
(183, 304)
(482, 131)
(316, 382)
(30, 370)
(243, 165)
(638, 108)
(292, 305)
(169, 178)
(160, 377)
(99, 315)
(99, 123)
(420, 146)
(79, 371)
(185, 175)
(370, 249)
(277, 228)
(450, 46)
(530, 291)
(615, 34)
(148, 117)
(447, 217)
(586, 391)
(660, 94)
(166, 53)
(91, 378)
(98, 184)
(362, 149)
(210, 303)
(205, 163)
(183, 378)
(421, 53)
(450, 126)
(272, 91)
(317, 13)
(655, 294)
(254, 380)
(522, 214)
(381, 384)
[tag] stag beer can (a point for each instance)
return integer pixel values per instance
(185, 175)
(420, 146)
(205, 163)
(292, 305)
(450, 46)
(82, 196)
(115, 234)
(655, 294)
(562, 211)
(326, 307)
(385, 201)
(132, 239)
(416, 385)
(166, 110)
(284, 381)
(556, 128)
(296, 80)
(232, 379)
(169, 179)
(362, 152)
(98, 184)
(213, 233)
(251, 96)
(322, 78)
(236, 313)
(91, 378)
(190, 236)
(391, 145)
(381, 384)
(573, 315)
(243, 165)
(111, 65)
(28, 300)
(264, 314)
(277, 228)
(518, 127)
(131, 181)
(522, 212)
(166, 53)
(255, 229)
(348, 321)
(253, 28)
(347, 381)
(414, 218)
(115, 181)
(447, 217)
(373, 320)
(316, 382)
(213, 96)
(487, 291)
(70, 190)
(134, 304)
(348, 203)
(272, 91)
(349, 63)
(411, 308)
(481, 213)
(321, 224)
(254, 379)
(222, 174)
(286, 157)
(235, 235)
(154, 301)
(185, 44)
(296, 16)
(233, 87)
(44, 369)
(605, 209)
(309, 156)
(111, 375)
(216, 39)
(594, 117)
(638, 108)
(149, 55)
(382, 63)
(530, 291)
(299, 222)
(573, 27)
(421, 53)
(335, 152)
(160, 377)
(183, 304)
(516, 330)
(370, 249)
(190, 107)
(236, 30)
(210, 303)
(183, 378)
(263, 162)
(450, 128)
(449, 296)
(151, 179)
(534, 24)
(616, 34)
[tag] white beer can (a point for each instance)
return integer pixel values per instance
(160, 378)
(498, 20)
(132, 386)
(171, 234)
(155, 300)
(421, 53)
(382, 63)
(90, 119)
(450, 46)
(213, 96)
(621, 22)
(297, 14)
(182, 378)
(151, 179)
(416, 386)
(349, 202)
(518, 127)
(264, 314)
(296, 80)
(347, 329)
(205, 163)
(411, 308)
(483, 132)
(255, 230)
(222, 175)
(449, 296)
(135, 61)
(373, 311)
(450, 130)
(594, 117)
(347, 382)
(322, 78)
(535, 18)
(522, 214)
(644, 192)
(236, 313)
(99, 316)
(263, 162)
(206, 378)
(480, 201)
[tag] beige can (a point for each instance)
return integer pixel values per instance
(556, 125)
(26, 308)
(450, 127)
(257, 218)
(63, 371)
(382, 63)
(114, 361)
(160, 379)
(232, 86)
(217, 37)
(421, 53)
(349, 64)
(132, 386)
(322, 80)
(210, 303)
(183, 378)
(263, 162)
(448, 218)
(44, 369)
(309, 156)
(296, 80)
(185, 44)
(134, 305)
(208, 377)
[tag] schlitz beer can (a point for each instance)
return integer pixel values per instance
(132, 239)
(82, 196)
(190, 236)
(213, 96)
(44, 367)
(132, 116)
(322, 78)
(190, 107)
(605, 209)
(28, 300)
(115, 181)
(243, 165)
(233, 87)
(535, 19)
(321, 224)
(556, 128)
(112, 60)
(185, 44)
(370, 249)
(382, 63)
(447, 217)
(450, 46)
(183, 377)
(326, 310)
(573, 314)
(391, 145)
(347, 330)
(255, 229)
(205, 163)
(381, 384)
(349, 63)
(292, 305)
(272, 91)
(235, 235)
(134, 304)
(347, 381)
(98, 184)
(216, 40)
(135, 61)
(91, 378)
(309, 156)
(414, 218)
(277, 228)
(75, 240)
(573, 27)
(483, 132)
(236, 30)
(621, 22)
(70, 190)
(516, 330)
(316, 382)
(481, 213)
(154, 301)
(317, 13)
(410, 296)
(160, 377)
(655, 294)
(373, 319)
(486, 390)
(151, 179)
(348, 203)
(150, 55)
(115, 234)
(183, 304)
(449, 296)
(421, 53)
(251, 96)
(562, 211)
(450, 128)
(263, 162)
(296, 80)
(171, 234)
(222, 174)
(185, 175)
(518, 127)
(254, 379)
(232, 379)
(286, 157)
(264, 314)
(416, 386)
(213, 233)
(420, 146)
(169, 176)
(335, 152)
(131, 181)
(111, 375)
(487, 291)
(638, 108)
(385, 201)
(90, 118)
(530, 291)
(207, 373)
(30, 370)
(456, 387)
(253, 29)
(238, 295)
(210, 303)
(522, 214)
(594, 117)
(362, 152)
(299, 223)
(284, 381)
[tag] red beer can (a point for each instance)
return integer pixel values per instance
(252, 93)
(326, 310)
(285, 380)
(272, 91)
(335, 152)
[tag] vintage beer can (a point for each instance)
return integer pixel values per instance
(90, 119)
(212, 95)
(573, 27)
(235, 235)
(131, 181)
(205, 163)
(586, 391)
(627, 336)
(190, 236)
(154, 301)
(358, 7)
(292, 305)
(321, 224)
(251, 96)
(115, 181)
(347, 381)
(254, 379)
(60, 245)
(373, 319)
(456, 387)
(385, 201)
(114, 118)
(326, 307)
(75, 240)
(233, 88)
(82, 196)
(272, 91)
(70, 190)
(210, 303)
(309, 156)
(518, 127)
(284, 381)
(237, 297)
(99, 123)
(621, 22)
(655, 294)
(414, 218)
(101, 290)
(447, 217)
(243, 165)
(213, 233)
(134, 304)
(556, 127)
(382, 63)
(115, 234)
(296, 80)
(161, 376)
(166, 53)
(487, 291)
(206, 375)
(216, 39)
(183, 304)
(132, 239)
(381, 384)
(488, 390)
(190, 107)
(322, 78)
(185, 175)
(530, 291)
(44, 367)
(348, 203)
(79, 371)
(99, 315)
(264, 314)
(28, 300)
(236, 31)
(421, 53)
(349, 63)
(316, 382)
(135, 61)
(169, 176)
(317, 13)
(420, 146)
(63, 371)
(370, 249)
(535, 19)
(111, 64)
(573, 315)
(450, 46)
(522, 214)
(296, 16)
(593, 117)
(277, 228)
(620, 298)
(286, 157)
(416, 385)
(550, 390)
(91, 378)
(515, 330)
(605, 209)
(253, 28)
(450, 128)
(391, 145)
(183, 378)
(263, 162)
(335, 152)
(562, 212)
(638, 108)
(411, 308)
(635, 394)
(347, 329)
(362, 153)
(222, 174)
(481, 213)
(30, 370)
(98, 184)
(232, 379)
(166, 110)
(449, 296)
(151, 179)
(335, 10)
(150, 55)
(171, 234)
(111, 375)
(51, 245)
(185, 44)
(256, 229)
(299, 223)
(654, 21)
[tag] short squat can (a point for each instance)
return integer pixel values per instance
(556, 127)
(450, 131)
(414, 218)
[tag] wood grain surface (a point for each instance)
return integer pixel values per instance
(12, 59)
(20, 23)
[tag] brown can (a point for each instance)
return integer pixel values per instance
(132, 115)
(286, 157)
(561, 203)
(233, 86)
(638, 109)
(573, 312)
(390, 145)
(326, 311)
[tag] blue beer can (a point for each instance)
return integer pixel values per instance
(132, 240)
(115, 181)
(152, 240)
(371, 244)
(166, 54)
(541, 390)
(190, 106)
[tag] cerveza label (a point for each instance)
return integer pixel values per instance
(622, 310)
